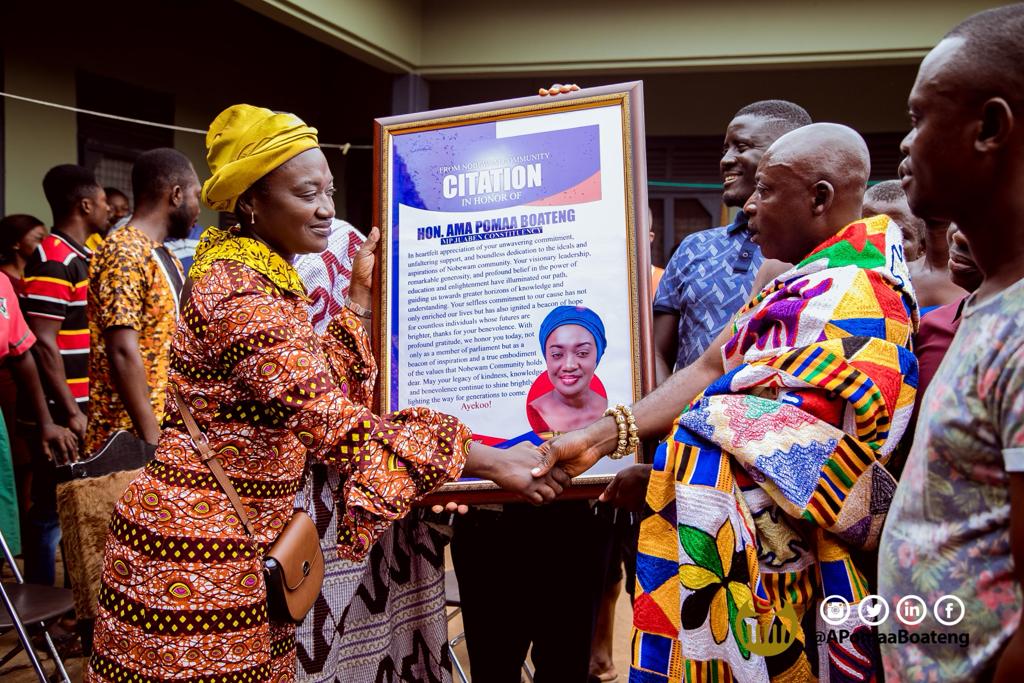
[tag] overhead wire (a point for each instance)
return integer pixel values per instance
(345, 147)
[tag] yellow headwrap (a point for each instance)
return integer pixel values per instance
(244, 144)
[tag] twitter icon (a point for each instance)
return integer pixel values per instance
(873, 610)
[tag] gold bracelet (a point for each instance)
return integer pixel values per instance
(634, 431)
(619, 422)
(625, 426)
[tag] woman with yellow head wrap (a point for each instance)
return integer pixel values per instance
(182, 593)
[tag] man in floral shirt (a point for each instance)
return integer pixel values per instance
(134, 283)
(955, 532)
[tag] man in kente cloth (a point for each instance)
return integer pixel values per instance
(772, 482)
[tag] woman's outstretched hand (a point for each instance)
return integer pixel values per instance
(512, 469)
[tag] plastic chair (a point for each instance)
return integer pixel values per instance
(30, 610)
(452, 599)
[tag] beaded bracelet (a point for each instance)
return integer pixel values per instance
(628, 432)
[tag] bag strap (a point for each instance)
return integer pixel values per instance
(211, 460)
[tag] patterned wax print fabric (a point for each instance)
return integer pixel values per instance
(705, 282)
(93, 242)
(774, 475)
(129, 286)
(948, 531)
(381, 618)
(56, 288)
(182, 593)
(382, 615)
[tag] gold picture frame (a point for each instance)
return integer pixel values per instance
(426, 142)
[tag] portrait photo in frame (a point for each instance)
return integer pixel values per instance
(514, 268)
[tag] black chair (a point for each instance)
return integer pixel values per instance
(31, 610)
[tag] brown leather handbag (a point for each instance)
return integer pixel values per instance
(294, 565)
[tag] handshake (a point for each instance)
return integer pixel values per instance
(539, 474)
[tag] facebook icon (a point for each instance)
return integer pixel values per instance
(949, 610)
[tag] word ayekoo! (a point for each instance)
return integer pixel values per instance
(494, 180)
(527, 220)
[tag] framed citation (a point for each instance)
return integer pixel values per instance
(515, 267)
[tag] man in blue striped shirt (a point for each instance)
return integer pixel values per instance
(710, 274)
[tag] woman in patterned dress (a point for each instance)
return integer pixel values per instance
(182, 594)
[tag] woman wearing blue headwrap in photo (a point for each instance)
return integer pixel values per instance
(572, 340)
(496, 553)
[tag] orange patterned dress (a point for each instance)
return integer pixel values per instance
(182, 594)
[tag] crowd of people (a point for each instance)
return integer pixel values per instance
(839, 411)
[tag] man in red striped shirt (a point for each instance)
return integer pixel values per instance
(54, 302)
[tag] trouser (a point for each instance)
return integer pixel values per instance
(624, 530)
(41, 526)
(530, 575)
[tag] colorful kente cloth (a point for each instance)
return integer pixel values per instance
(773, 478)
(182, 594)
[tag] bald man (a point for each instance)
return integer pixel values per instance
(955, 534)
(771, 482)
